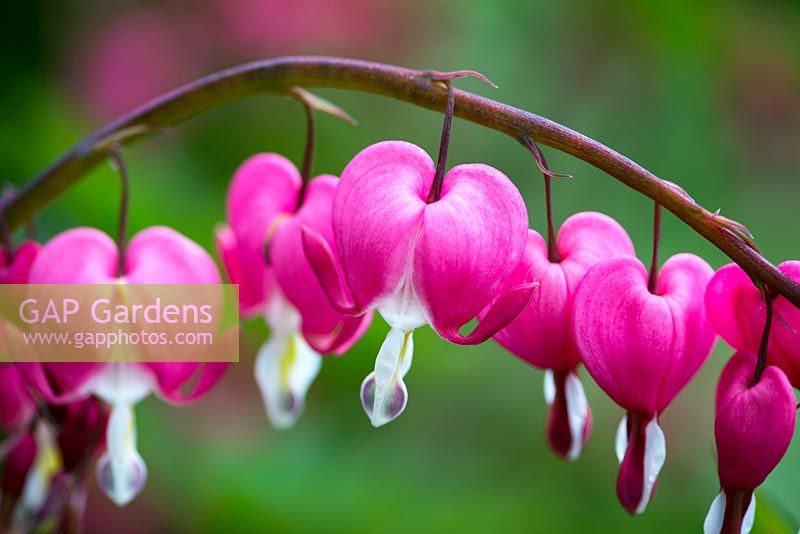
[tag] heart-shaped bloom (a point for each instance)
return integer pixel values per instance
(753, 428)
(156, 255)
(642, 348)
(442, 263)
(265, 222)
(542, 334)
(736, 310)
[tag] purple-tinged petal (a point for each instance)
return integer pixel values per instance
(467, 241)
(377, 214)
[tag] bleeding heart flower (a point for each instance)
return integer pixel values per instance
(442, 263)
(265, 221)
(156, 255)
(753, 428)
(736, 310)
(542, 334)
(642, 348)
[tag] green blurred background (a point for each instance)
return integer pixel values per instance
(705, 94)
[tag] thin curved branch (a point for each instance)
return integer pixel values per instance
(414, 86)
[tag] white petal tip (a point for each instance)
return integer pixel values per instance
(121, 482)
(387, 406)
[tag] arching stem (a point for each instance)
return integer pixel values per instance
(652, 282)
(444, 144)
(124, 204)
(761, 362)
(279, 75)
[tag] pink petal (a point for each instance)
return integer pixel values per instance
(467, 240)
(322, 326)
(542, 334)
(735, 307)
(328, 271)
(377, 214)
(255, 285)
(17, 272)
(160, 255)
(784, 348)
(263, 187)
(682, 280)
(627, 335)
(754, 423)
(77, 256)
(16, 405)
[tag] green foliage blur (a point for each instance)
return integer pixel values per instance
(704, 94)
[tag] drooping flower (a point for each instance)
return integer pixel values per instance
(736, 310)
(542, 335)
(265, 221)
(642, 348)
(753, 428)
(441, 263)
(156, 255)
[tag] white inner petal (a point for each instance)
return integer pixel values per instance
(749, 516)
(402, 309)
(655, 453)
(621, 440)
(715, 515)
(285, 368)
(46, 464)
(126, 383)
(391, 366)
(577, 413)
(121, 472)
(549, 387)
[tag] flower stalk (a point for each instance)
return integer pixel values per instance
(279, 75)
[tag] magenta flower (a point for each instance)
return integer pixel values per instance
(266, 221)
(542, 335)
(737, 312)
(442, 263)
(753, 428)
(88, 256)
(16, 404)
(642, 348)
(16, 271)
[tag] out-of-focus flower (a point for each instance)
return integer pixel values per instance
(265, 220)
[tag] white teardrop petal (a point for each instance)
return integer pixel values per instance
(284, 369)
(577, 413)
(549, 387)
(45, 466)
(383, 392)
(121, 472)
(655, 453)
(715, 515)
(621, 440)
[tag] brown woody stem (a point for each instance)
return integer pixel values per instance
(279, 75)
